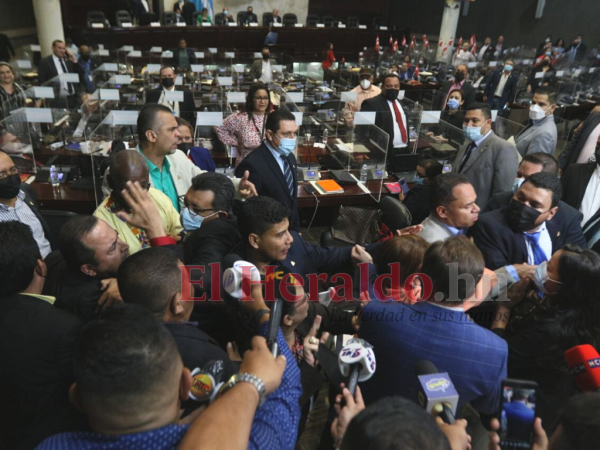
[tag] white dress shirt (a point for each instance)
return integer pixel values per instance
(174, 106)
(482, 52)
(64, 87)
(544, 242)
(591, 200)
(500, 88)
(145, 4)
(398, 143)
(267, 75)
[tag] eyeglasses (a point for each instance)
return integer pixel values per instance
(14, 170)
(194, 211)
(261, 99)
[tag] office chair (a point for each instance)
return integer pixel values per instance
(240, 17)
(267, 19)
(328, 21)
(97, 17)
(312, 20)
(289, 19)
(353, 22)
(147, 18)
(169, 18)
(195, 17)
(122, 17)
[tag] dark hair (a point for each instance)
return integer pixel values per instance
(250, 98)
(274, 119)
(580, 421)
(551, 94)
(265, 46)
(57, 41)
(462, 94)
(547, 161)
(543, 180)
(184, 123)
(558, 41)
(432, 168)
(148, 119)
(259, 214)
(182, 39)
(19, 254)
(483, 107)
(388, 75)
(469, 263)
(150, 278)
(394, 423)
(167, 67)
(220, 185)
(408, 251)
(442, 190)
(70, 242)
(125, 359)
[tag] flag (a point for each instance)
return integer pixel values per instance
(474, 49)
(426, 41)
(416, 74)
(403, 40)
(395, 48)
(460, 43)
(412, 42)
(445, 50)
(441, 43)
(343, 60)
(391, 40)
(377, 44)
(472, 40)
(208, 4)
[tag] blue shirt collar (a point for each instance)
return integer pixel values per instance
(455, 231)
(483, 138)
(275, 153)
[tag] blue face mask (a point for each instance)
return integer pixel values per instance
(508, 68)
(418, 179)
(548, 53)
(453, 103)
(191, 222)
(287, 146)
(472, 133)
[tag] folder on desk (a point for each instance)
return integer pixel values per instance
(327, 187)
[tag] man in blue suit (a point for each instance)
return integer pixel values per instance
(518, 416)
(437, 329)
(501, 89)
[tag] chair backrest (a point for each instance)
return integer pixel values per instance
(353, 22)
(219, 19)
(169, 18)
(122, 16)
(96, 17)
(195, 17)
(146, 18)
(395, 215)
(289, 19)
(377, 22)
(240, 17)
(328, 21)
(55, 221)
(267, 18)
(312, 20)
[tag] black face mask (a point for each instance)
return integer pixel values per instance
(392, 94)
(10, 186)
(521, 217)
(184, 147)
(459, 76)
(266, 56)
(85, 56)
(167, 82)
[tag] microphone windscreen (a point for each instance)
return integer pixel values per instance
(425, 367)
(229, 260)
(584, 364)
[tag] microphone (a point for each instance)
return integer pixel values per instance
(436, 391)
(357, 362)
(308, 145)
(584, 364)
(233, 276)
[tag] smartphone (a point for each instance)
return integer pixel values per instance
(517, 413)
(310, 189)
(393, 188)
(404, 186)
(447, 168)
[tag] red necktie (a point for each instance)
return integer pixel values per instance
(400, 122)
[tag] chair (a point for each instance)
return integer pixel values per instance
(377, 22)
(267, 19)
(328, 21)
(219, 19)
(97, 17)
(289, 20)
(122, 17)
(241, 15)
(353, 22)
(147, 18)
(169, 18)
(312, 20)
(55, 221)
(195, 17)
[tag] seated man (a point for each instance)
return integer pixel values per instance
(37, 342)
(167, 76)
(17, 202)
(82, 274)
(417, 199)
(453, 208)
(129, 166)
(249, 17)
(130, 382)
(541, 135)
(153, 279)
(439, 331)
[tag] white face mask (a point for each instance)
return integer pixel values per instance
(536, 112)
(365, 84)
(540, 277)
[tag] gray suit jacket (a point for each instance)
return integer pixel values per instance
(434, 230)
(541, 137)
(256, 69)
(491, 168)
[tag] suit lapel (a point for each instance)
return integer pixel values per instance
(274, 166)
(477, 153)
(554, 233)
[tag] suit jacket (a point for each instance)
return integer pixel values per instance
(575, 145)
(434, 230)
(138, 9)
(541, 137)
(6, 48)
(250, 18)
(408, 75)
(191, 56)
(566, 218)
(256, 69)
(274, 19)
(510, 88)
(177, 6)
(417, 202)
(474, 358)
(37, 342)
(187, 12)
(488, 55)
(467, 88)
(268, 178)
(384, 118)
(47, 70)
(575, 181)
(187, 108)
(491, 167)
(501, 246)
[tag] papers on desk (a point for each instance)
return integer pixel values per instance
(350, 147)
(23, 64)
(327, 187)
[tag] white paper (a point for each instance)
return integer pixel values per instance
(174, 96)
(134, 54)
(320, 25)
(197, 68)
(212, 50)
(364, 118)
(38, 115)
(122, 79)
(68, 78)
(153, 68)
(108, 67)
(156, 50)
(592, 69)
(181, 24)
(166, 54)
(179, 81)
(43, 92)
(295, 97)
(122, 117)
(205, 118)
(277, 24)
(109, 94)
(341, 25)
(560, 73)
(493, 63)
(23, 64)
(253, 24)
(577, 72)
(199, 55)
(383, 28)
(101, 46)
(206, 24)
(126, 48)
(225, 81)
(126, 24)
(257, 55)
(232, 24)
(298, 25)
(298, 116)
(471, 65)
(526, 61)
(431, 117)
(103, 52)
(236, 97)
(362, 27)
(97, 25)
(349, 96)
(36, 48)
(539, 75)
(155, 24)
(229, 55)
(239, 68)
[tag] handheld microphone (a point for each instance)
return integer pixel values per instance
(274, 323)
(233, 276)
(584, 364)
(357, 362)
(436, 391)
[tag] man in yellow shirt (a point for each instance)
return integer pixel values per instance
(364, 91)
(131, 166)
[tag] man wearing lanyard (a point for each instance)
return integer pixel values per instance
(184, 109)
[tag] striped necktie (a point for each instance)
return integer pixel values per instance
(287, 174)
(538, 254)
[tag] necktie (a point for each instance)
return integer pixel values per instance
(289, 178)
(64, 68)
(591, 230)
(472, 146)
(400, 122)
(538, 254)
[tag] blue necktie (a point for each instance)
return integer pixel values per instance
(538, 254)
(289, 178)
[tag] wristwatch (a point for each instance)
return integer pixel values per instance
(246, 378)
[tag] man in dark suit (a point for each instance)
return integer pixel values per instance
(178, 5)
(88, 65)
(276, 18)
(183, 57)
(523, 232)
(185, 109)
(567, 218)
(486, 53)
(500, 48)
(390, 115)
(575, 53)
(406, 73)
(578, 147)
(37, 342)
(187, 12)
(579, 184)
(461, 75)
(501, 89)
(6, 48)
(249, 17)
(272, 166)
(59, 62)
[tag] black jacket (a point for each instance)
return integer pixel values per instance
(566, 218)
(467, 88)
(268, 178)
(575, 181)
(187, 108)
(6, 48)
(47, 71)
(190, 53)
(510, 88)
(37, 342)
(575, 144)
(384, 118)
(417, 202)
(501, 246)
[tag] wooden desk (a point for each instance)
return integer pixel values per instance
(67, 199)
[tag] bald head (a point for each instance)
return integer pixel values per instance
(127, 165)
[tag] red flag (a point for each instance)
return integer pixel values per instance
(377, 44)
(391, 40)
(445, 50)
(425, 41)
(395, 48)
(472, 40)
(441, 43)
(403, 41)
(460, 43)
(474, 49)
(412, 42)
(343, 60)
(416, 74)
